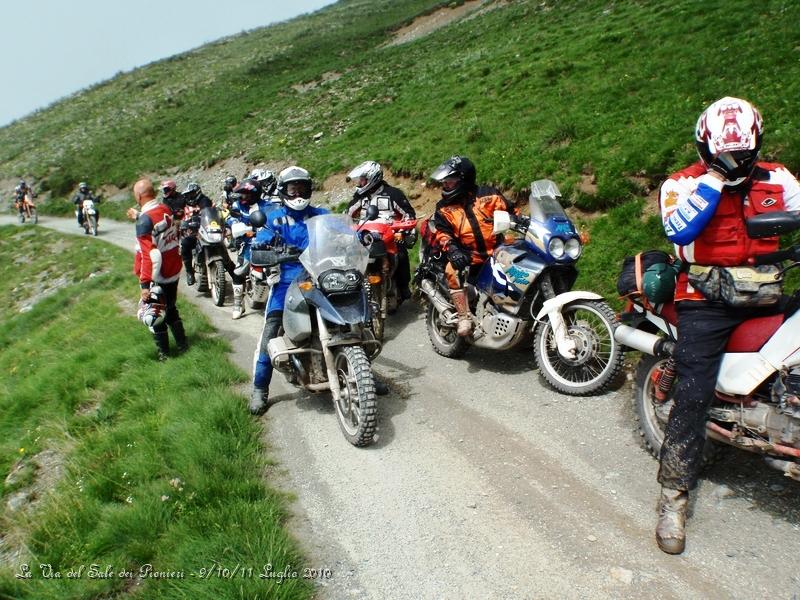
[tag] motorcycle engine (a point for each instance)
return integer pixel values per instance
(786, 391)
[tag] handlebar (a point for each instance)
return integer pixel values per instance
(792, 254)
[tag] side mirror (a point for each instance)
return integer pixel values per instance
(502, 222)
(372, 212)
(258, 219)
(772, 224)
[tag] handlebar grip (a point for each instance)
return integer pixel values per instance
(775, 257)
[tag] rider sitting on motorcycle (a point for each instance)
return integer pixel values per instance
(194, 201)
(392, 205)
(173, 198)
(464, 220)
(84, 193)
(266, 179)
(704, 208)
(22, 194)
(226, 197)
(248, 195)
(285, 225)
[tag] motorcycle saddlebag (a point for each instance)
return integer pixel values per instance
(649, 275)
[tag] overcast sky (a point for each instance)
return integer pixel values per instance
(52, 48)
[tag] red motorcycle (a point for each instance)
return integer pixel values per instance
(383, 238)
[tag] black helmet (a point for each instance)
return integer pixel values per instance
(83, 187)
(459, 167)
(229, 184)
(192, 193)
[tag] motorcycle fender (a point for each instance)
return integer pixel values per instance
(296, 316)
(742, 372)
(557, 303)
(352, 311)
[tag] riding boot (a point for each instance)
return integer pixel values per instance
(238, 300)
(179, 333)
(187, 265)
(670, 531)
(162, 344)
(258, 401)
(459, 298)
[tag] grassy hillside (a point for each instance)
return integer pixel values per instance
(109, 457)
(600, 96)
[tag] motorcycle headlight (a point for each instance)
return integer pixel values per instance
(336, 281)
(214, 237)
(573, 248)
(556, 247)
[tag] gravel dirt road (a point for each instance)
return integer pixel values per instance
(483, 483)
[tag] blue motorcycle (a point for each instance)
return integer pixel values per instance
(525, 291)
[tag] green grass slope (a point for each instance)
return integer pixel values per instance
(112, 458)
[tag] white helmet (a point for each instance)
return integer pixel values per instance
(294, 187)
(730, 125)
(371, 173)
(153, 311)
(266, 178)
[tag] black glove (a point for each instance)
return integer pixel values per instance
(726, 165)
(458, 257)
(521, 222)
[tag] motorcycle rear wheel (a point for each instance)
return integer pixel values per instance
(357, 407)
(599, 360)
(218, 283)
(444, 339)
(653, 416)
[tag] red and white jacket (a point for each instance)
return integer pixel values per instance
(724, 241)
(158, 257)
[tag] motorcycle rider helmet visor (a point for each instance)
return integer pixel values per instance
(298, 189)
(450, 182)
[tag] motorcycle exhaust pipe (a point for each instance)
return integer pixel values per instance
(643, 341)
(436, 296)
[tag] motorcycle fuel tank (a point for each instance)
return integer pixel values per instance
(508, 273)
(296, 317)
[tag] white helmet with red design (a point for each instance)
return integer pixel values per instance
(734, 127)
(153, 311)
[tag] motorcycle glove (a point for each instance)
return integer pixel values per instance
(274, 277)
(724, 164)
(459, 258)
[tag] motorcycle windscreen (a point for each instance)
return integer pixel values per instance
(211, 230)
(333, 244)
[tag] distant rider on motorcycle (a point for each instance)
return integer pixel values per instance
(173, 198)
(84, 193)
(392, 203)
(464, 221)
(22, 194)
(227, 197)
(268, 182)
(286, 223)
(249, 199)
(703, 209)
(194, 201)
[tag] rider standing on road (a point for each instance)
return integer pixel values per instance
(392, 204)
(464, 221)
(704, 208)
(194, 201)
(158, 261)
(285, 224)
(84, 193)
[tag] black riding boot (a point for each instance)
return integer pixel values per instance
(162, 344)
(179, 333)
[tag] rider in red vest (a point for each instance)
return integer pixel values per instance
(704, 208)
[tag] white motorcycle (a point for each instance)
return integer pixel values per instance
(757, 397)
(89, 216)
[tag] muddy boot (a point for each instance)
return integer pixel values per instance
(179, 334)
(187, 266)
(238, 301)
(459, 298)
(162, 344)
(258, 401)
(670, 531)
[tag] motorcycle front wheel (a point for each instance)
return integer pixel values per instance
(598, 360)
(218, 283)
(653, 416)
(378, 322)
(443, 337)
(357, 407)
(93, 225)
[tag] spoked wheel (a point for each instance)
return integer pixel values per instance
(93, 225)
(378, 320)
(443, 337)
(598, 357)
(653, 415)
(356, 409)
(218, 283)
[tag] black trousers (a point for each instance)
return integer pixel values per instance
(704, 328)
(402, 274)
(171, 319)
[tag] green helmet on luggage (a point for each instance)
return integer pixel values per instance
(658, 283)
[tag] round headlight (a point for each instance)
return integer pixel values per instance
(556, 247)
(333, 281)
(573, 248)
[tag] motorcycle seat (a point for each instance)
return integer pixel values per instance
(751, 335)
